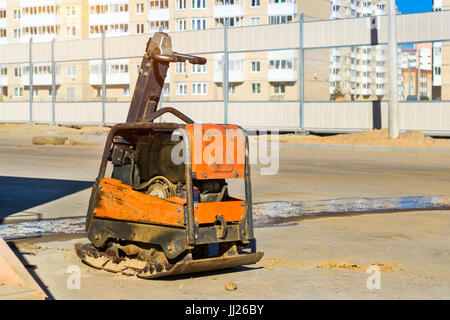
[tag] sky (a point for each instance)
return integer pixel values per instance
(414, 6)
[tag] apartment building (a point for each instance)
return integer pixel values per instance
(358, 73)
(252, 76)
(416, 72)
(441, 60)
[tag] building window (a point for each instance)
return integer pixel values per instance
(229, 21)
(281, 64)
(279, 89)
(180, 25)
(166, 89)
(17, 72)
(16, 14)
(2, 14)
(70, 94)
(18, 92)
(255, 21)
(256, 88)
(159, 4)
(126, 91)
(255, 3)
(279, 19)
(140, 28)
(198, 24)
(16, 34)
(180, 68)
(256, 66)
(156, 25)
(139, 8)
(199, 89)
(181, 89)
(232, 89)
(71, 71)
(199, 68)
(181, 4)
(71, 31)
(70, 11)
(198, 4)
(3, 71)
(2, 33)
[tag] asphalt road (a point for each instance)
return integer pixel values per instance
(43, 182)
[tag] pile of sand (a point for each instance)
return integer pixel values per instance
(372, 137)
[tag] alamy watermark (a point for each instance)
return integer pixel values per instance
(373, 282)
(224, 148)
(73, 281)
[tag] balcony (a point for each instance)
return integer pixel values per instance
(380, 92)
(109, 18)
(228, 10)
(118, 77)
(235, 67)
(95, 79)
(282, 9)
(36, 20)
(282, 75)
(40, 79)
(335, 65)
(366, 92)
(366, 68)
(3, 23)
(380, 81)
(335, 77)
(158, 14)
(3, 81)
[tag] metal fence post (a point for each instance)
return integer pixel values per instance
(103, 80)
(225, 71)
(53, 83)
(302, 73)
(30, 86)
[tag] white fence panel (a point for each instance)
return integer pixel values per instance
(79, 112)
(339, 115)
(116, 112)
(200, 112)
(14, 111)
(42, 112)
(264, 114)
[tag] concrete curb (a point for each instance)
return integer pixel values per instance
(363, 148)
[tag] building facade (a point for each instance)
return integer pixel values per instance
(358, 73)
(252, 76)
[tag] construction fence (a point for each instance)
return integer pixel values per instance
(276, 76)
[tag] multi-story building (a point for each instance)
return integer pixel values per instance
(269, 75)
(358, 73)
(441, 60)
(416, 73)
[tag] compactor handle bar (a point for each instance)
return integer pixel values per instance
(177, 57)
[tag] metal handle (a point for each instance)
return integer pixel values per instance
(177, 57)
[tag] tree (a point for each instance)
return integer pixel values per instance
(337, 92)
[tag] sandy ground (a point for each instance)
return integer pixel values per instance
(324, 258)
(371, 138)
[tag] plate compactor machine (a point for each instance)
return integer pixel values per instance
(156, 217)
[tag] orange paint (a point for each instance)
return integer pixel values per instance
(118, 201)
(213, 158)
